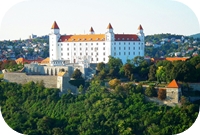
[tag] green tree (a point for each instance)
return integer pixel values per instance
(114, 82)
(77, 74)
(151, 91)
(152, 73)
(101, 66)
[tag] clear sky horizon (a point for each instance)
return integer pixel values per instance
(77, 16)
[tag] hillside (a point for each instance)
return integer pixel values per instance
(195, 36)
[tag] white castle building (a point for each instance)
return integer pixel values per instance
(94, 48)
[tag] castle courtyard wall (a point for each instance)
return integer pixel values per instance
(22, 78)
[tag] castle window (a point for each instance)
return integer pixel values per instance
(119, 48)
(138, 53)
(119, 43)
(91, 43)
(86, 54)
(124, 43)
(129, 48)
(67, 44)
(67, 49)
(103, 48)
(139, 48)
(92, 59)
(139, 43)
(129, 43)
(104, 59)
(124, 53)
(97, 43)
(124, 48)
(91, 48)
(86, 48)
(80, 53)
(80, 43)
(74, 43)
(80, 48)
(104, 53)
(61, 49)
(129, 53)
(133, 48)
(97, 54)
(85, 43)
(133, 53)
(114, 48)
(114, 43)
(68, 54)
(103, 43)
(119, 53)
(114, 53)
(74, 49)
(74, 53)
(91, 53)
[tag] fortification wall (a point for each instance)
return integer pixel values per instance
(22, 78)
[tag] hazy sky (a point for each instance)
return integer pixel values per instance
(77, 16)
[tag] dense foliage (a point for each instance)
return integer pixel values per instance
(35, 110)
(185, 71)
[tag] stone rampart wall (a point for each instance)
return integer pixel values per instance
(49, 81)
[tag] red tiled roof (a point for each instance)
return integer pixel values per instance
(173, 84)
(126, 37)
(140, 27)
(97, 37)
(176, 58)
(82, 38)
(109, 26)
(54, 26)
(23, 61)
(45, 61)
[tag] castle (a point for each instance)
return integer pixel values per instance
(94, 48)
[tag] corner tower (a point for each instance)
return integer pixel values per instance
(140, 33)
(110, 36)
(53, 42)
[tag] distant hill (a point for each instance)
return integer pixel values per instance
(196, 35)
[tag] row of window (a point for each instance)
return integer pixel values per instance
(115, 43)
(85, 54)
(126, 43)
(129, 53)
(95, 48)
(129, 48)
(97, 59)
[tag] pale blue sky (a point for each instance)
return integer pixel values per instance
(77, 16)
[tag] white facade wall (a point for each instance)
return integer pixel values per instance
(95, 51)
(127, 49)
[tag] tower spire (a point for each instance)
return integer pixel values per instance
(55, 25)
(91, 30)
(140, 27)
(109, 26)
